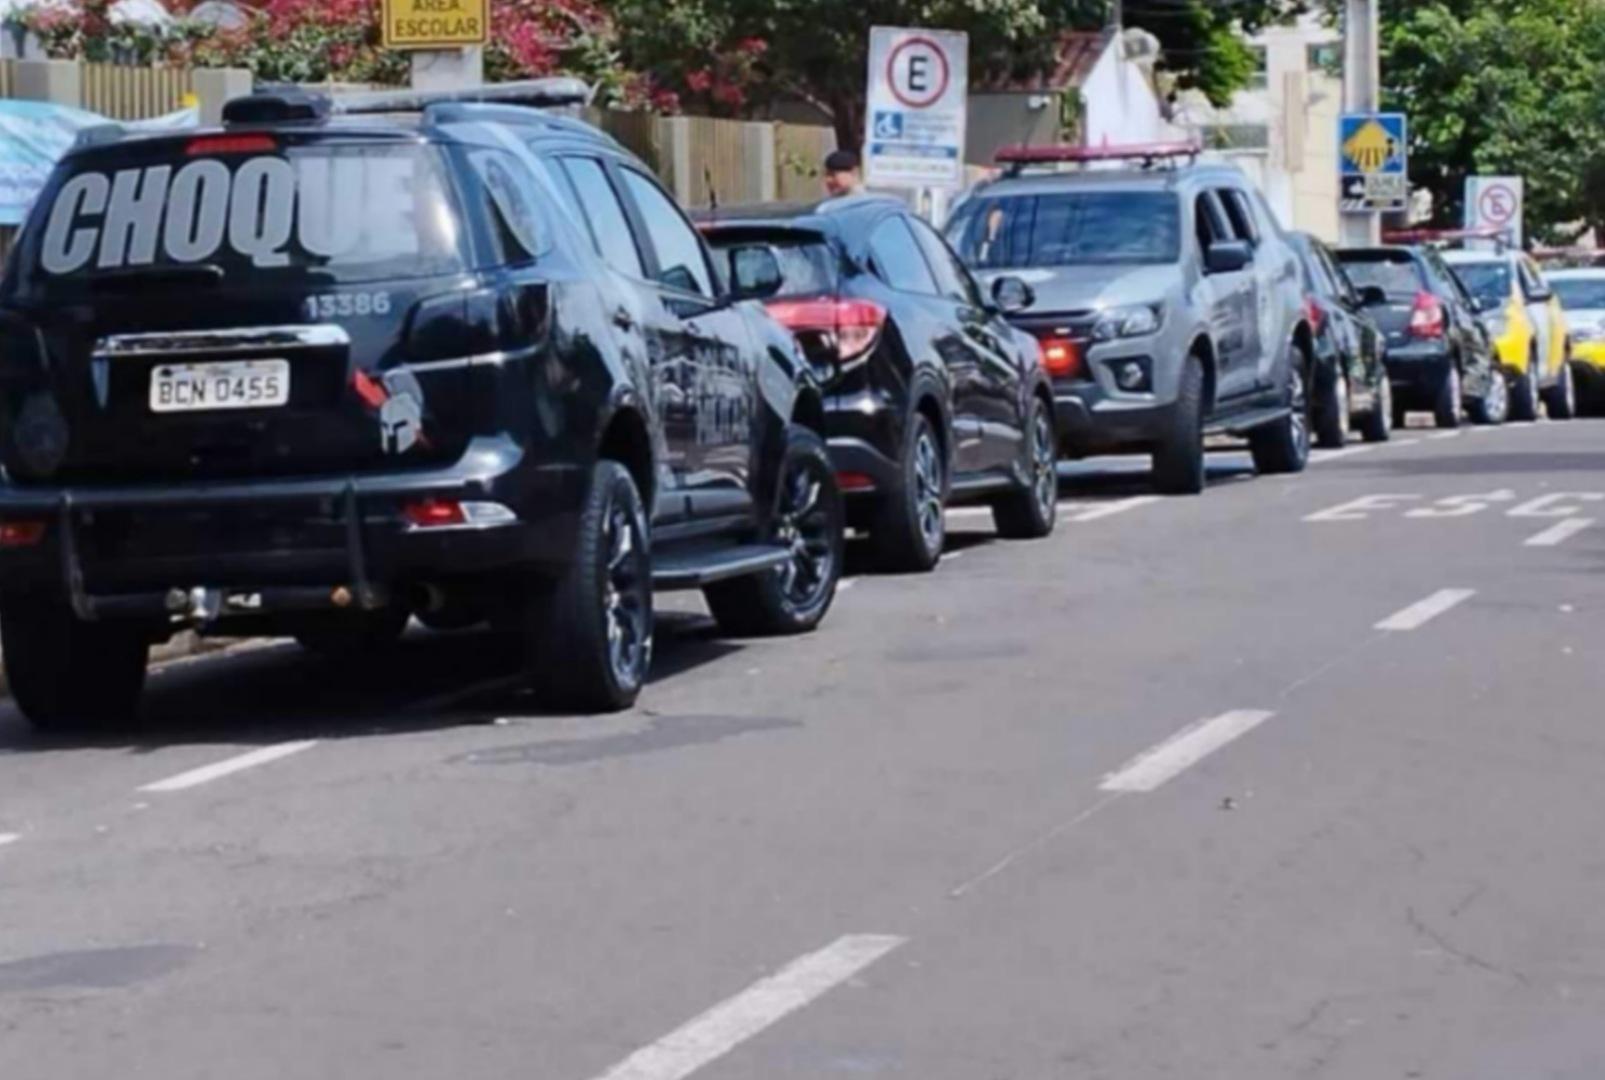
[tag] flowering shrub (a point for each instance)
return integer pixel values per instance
(309, 41)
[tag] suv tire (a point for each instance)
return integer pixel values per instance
(1378, 423)
(355, 634)
(1560, 401)
(1524, 394)
(910, 527)
(809, 518)
(68, 675)
(1284, 446)
(1446, 410)
(588, 634)
(1493, 408)
(1332, 413)
(1030, 510)
(1178, 460)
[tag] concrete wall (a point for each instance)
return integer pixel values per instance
(1009, 118)
(1120, 104)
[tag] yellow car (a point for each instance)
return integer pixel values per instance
(1528, 327)
(1582, 295)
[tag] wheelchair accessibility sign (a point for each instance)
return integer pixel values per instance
(888, 125)
(1373, 160)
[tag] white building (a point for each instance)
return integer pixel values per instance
(1283, 130)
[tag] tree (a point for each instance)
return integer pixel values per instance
(1502, 87)
(728, 56)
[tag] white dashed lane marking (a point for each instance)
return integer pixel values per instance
(1559, 533)
(227, 767)
(8, 838)
(1157, 765)
(1422, 612)
(1118, 507)
(727, 1025)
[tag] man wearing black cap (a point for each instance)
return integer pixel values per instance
(841, 174)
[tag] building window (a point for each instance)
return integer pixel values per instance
(1236, 137)
(1326, 57)
(1261, 77)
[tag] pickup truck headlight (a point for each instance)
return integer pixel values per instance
(1136, 320)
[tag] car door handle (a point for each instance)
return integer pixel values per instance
(623, 319)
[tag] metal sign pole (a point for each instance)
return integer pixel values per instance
(1361, 79)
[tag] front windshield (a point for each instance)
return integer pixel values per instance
(1580, 294)
(1068, 229)
(1488, 282)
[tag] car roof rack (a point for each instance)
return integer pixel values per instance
(1148, 155)
(1444, 238)
(548, 93)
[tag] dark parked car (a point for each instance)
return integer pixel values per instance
(1439, 355)
(1351, 387)
(313, 373)
(931, 395)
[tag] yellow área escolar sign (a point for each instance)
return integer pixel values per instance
(435, 24)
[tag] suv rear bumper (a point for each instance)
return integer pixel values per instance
(1417, 373)
(265, 545)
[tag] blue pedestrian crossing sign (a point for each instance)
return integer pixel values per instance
(1373, 160)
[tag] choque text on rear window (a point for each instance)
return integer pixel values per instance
(356, 212)
(1068, 229)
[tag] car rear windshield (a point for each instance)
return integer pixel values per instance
(1068, 229)
(1488, 282)
(1580, 294)
(808, 267)
(246, 207)
(1395, 273)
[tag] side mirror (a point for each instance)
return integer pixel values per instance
(1228, 256)
(1373, 295)
(754, 272)
(1012, 294)
(1542, 296)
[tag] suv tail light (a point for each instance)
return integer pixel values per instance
(1061, 357)
(1426, 318)
(850, 327)
(1315, 313)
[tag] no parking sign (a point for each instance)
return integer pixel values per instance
(918, 93)
(1495, 202)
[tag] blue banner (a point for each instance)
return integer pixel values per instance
(33, 137)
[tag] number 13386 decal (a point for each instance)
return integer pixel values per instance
(347, 305)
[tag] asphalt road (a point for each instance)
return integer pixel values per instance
(1286, 780)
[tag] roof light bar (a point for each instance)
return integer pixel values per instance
(538, 93)
(1146, 153)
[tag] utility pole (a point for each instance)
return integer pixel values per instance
(1362, 93)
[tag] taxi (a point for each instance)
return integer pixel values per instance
(1582, 296)
(1527, 325)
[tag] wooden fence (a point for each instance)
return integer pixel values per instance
(135, 93)
(118, 91)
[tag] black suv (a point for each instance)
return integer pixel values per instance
(931, 396)
(342, 362)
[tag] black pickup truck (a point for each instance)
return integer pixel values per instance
(342, 362)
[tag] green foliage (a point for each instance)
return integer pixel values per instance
(726, 56)
(1502, 87)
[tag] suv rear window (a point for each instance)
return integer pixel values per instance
(1068, 229)
(807, 265)
(322, 210)
(1395, 273)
